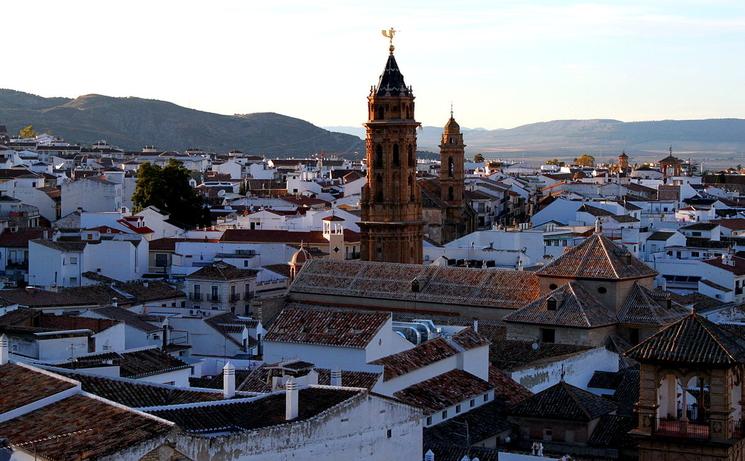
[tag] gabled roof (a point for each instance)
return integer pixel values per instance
(222, 272)
(692, 341)
(564, 402)
(422, 355)
(574, 307)
(661, 236)
(305, 325)
(443, 390)
(652, 307)
(597, 257)
(22, 386)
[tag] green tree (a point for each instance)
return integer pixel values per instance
(27, 132)
(167, 188)
(478, 158)
(585, 160)
(555, 161)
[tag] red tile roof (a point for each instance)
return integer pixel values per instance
(306, 325)
(443, 391)
(21, 237)
(422, 355)
(80, 427)
(737, 267)
(597, 257)
(22, 386)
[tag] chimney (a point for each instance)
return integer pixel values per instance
(259, 344)
(114, 302)
(476, 325)
(244, 338)
(4, 349)
(336, 377)
(429, 456)
(165, 334)
(292, 400)
(663, 284)
(228, 381)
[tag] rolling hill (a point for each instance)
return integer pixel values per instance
(132, 123)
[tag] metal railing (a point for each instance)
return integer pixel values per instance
(680, 428)
(196, 297)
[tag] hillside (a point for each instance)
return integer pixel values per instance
(724, 139)
(132, 123)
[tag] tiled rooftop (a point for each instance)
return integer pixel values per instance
(263, 412)
(413, 282)
(22, 386)
(597, 257)
(652, 307)
(569, 305)
(307, 325)
(80, 427)
(563, 401)
(221, 272)
(443, 391)
(692, 341)
(422, 355)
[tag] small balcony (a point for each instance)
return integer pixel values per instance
(235, 297)
(681, 428)
(196, 297)
(214, 298)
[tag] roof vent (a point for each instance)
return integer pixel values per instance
(551, 303)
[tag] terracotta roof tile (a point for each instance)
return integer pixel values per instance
(422, 355)
(22, 386)
(652, 307)
(597, 257)
(304, 324)
(564, 402)
(414, 282)
(221, 271)
(80, 427)
(443, 391)
(570, 305)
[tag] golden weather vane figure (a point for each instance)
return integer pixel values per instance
(389, 34)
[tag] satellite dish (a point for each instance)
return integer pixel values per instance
(221, 193)
(535, 346)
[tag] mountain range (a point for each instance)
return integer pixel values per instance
(131, 123)
(721, 138)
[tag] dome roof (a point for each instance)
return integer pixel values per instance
(452, 126)
(300, 256)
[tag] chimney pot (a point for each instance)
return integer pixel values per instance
(476, 325)
(228, 381)
(292, 397)
(4, 349)
(336, 377)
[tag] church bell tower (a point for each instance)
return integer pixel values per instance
(391, 225)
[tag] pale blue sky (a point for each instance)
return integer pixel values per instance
(503, 63)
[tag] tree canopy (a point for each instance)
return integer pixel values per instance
(27, 132)
(478, 158)
(167, 188)
(585, 160)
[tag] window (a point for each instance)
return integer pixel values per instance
(411, 156)
(551, 303)
(486, 397)
(380, 112)
(457, 409)
(548, 335)
(472, 403)
(379, 156)
(245, 263)
(602, 290)
(429, 420)
(161, 260)
(388, 433)
(396, 156)
(73, 281)
(411, 188)
(451, 167)
(548, 434)
(73, 259)
(553, 286)
(214, 293)
(444, 414)
(450, 193)
(694, 254)
(379, 188)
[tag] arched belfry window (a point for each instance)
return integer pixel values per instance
(379, 188)
(410, 159)
(396, 156)
(379, 156)
(451, 167)
(380, 113)
(450, 193)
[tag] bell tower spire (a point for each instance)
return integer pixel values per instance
(391, 226)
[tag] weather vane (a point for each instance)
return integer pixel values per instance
(389, 34)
